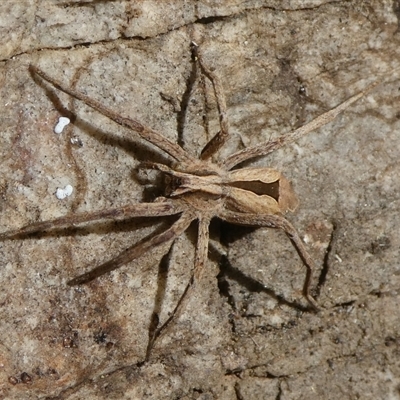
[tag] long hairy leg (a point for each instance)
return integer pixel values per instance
(201, 256)
(156, 209)
(220, 138)
(136, 250)
(143, 131)
(265, 148)
(279, 222)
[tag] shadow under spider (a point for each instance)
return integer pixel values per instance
(197, 189)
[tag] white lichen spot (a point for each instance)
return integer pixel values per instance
(63, 193)
(307, 239)
(338, 258)
(62, 123)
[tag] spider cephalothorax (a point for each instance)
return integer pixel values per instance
(198, 189)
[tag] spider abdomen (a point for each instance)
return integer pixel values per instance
(259, 190)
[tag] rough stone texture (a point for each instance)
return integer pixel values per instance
(245, 335)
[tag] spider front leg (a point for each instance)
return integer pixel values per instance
(143, 131)
(220, 138)
(157, 209)
(200, 260)
(277, 221)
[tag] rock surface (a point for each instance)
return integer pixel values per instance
(246, 333)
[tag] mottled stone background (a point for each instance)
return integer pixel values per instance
(281, 64)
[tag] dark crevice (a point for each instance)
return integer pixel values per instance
(346, 304)
(211, 20)
(326, 261)
(237, 391)
(280, 392)
(236, 372)
(87, 3)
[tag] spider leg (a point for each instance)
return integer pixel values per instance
(134, 210)
(265, 148)
(220, 138)
(200, 260)
(277, 221)
(144, 132)
(136, 250)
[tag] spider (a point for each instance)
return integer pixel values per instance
(198, 189)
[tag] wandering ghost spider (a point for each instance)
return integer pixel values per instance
(198, 189)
